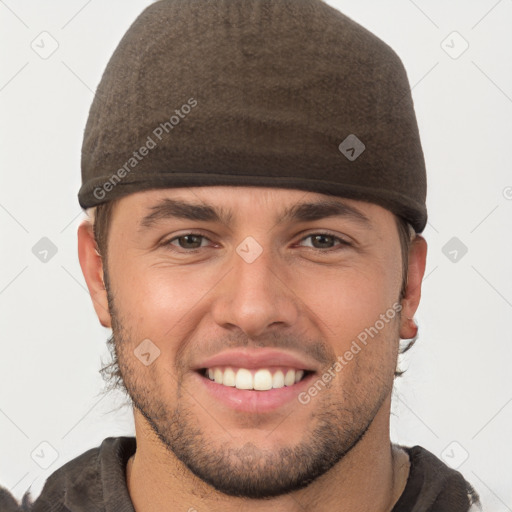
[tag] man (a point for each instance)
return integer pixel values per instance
(259, 192)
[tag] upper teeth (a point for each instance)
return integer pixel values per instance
(258, 379)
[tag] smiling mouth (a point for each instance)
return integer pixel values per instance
(257, 379)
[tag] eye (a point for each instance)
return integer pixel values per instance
(190, 241)
(324, 241)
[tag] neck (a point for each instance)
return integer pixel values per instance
(372, 476)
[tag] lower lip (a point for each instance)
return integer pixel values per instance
(247, 400)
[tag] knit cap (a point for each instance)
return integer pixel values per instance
(268, 93)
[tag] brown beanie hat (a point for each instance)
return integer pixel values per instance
(269, 93)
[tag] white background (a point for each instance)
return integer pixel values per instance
(457, 387)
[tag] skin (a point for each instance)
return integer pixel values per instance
(193, 452)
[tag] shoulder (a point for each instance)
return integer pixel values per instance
(79, 479)
(9, 504)
(435, 485)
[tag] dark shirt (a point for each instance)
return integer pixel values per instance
(96, 482)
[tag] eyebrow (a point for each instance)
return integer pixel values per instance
(301, 212)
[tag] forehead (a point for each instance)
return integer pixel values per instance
(234, 195)
(226, 204)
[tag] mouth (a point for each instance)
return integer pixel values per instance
(256, 379)
(253, 390)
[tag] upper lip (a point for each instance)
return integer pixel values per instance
(262, 358)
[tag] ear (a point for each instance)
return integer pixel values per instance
(92, 269)
(411, 299)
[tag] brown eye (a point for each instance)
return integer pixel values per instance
(325, 241)
(188, 241)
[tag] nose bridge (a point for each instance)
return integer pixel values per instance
(253, 295)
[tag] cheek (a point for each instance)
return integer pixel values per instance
(357, 311)
(161, 302)
(349, 300)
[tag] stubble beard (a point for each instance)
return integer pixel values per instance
(338, 424)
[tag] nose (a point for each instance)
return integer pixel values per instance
(256, 296)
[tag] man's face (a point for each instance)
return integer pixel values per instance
(294, 291)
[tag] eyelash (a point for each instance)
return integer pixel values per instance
(168, 244)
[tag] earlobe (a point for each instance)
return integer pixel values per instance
(92, 269)
(411, 299)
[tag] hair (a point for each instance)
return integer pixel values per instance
(100, 218)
